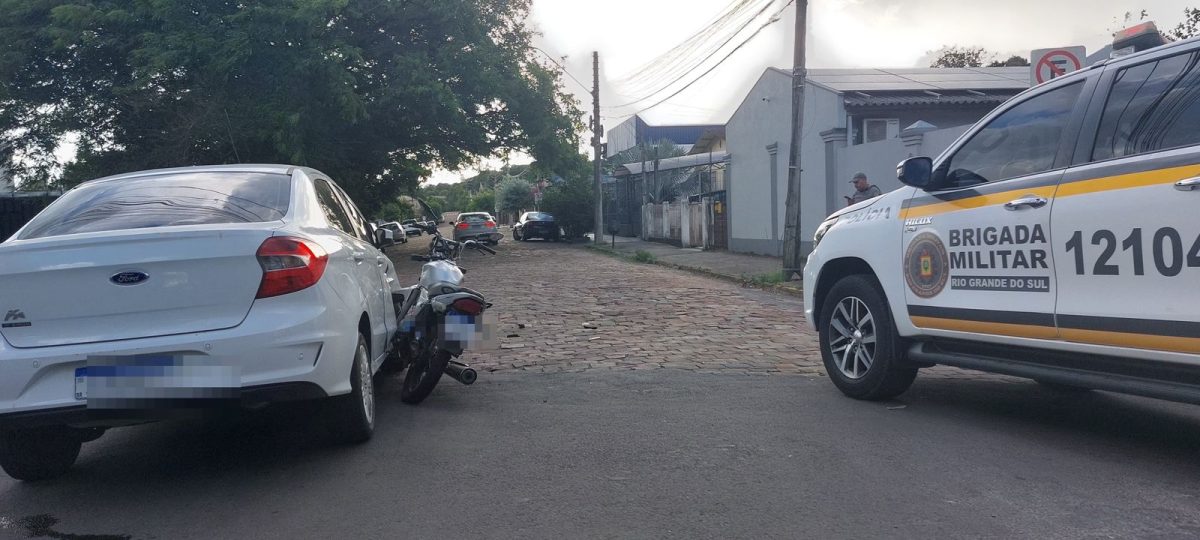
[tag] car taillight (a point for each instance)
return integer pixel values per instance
(462, 225)
(469, 306)
(490, 224)
(289, 264)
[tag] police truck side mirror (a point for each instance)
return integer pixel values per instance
(916, 172)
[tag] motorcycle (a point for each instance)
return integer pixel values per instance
(439, 318)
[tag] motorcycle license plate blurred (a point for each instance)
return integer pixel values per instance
(471, 332)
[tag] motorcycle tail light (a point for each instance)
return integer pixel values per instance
(468, 306)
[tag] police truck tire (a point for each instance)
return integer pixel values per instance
(861, 349)
(39, 453)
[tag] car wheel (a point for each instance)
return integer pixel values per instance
(352, 416)
(39, 454)
(861, 349)
(517, 235)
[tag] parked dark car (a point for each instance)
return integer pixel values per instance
(536, 225)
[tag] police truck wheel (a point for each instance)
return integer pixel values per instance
(862, 352)
(40, 453)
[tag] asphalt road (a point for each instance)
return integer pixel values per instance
(661, 453)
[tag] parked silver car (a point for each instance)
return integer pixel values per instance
(398, 232)
(479, 226)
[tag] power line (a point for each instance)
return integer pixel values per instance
(564, 70)
(769, 22)
(700, 52)
(719, 21)
(709, 56)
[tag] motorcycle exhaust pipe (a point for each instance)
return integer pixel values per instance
(461, 372)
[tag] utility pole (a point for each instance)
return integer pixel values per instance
(793, 255)
(597, 132)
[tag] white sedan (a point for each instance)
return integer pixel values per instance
(183, 288)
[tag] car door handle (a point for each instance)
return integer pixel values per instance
(358, 256)
(379, 259)
(1025, 202)
(1190, 184)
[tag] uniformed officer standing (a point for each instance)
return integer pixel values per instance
(863, 190)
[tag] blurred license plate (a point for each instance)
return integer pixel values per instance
(470, 332)
(133, 381)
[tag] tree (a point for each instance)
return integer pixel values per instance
(484, 201)
(571, 204)
(1013, 61)
(514, 195)
(661, 185)
(373, 92)
(395, 211)
(958, 57)
(1190, 27)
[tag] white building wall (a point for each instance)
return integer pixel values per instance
(756, 213)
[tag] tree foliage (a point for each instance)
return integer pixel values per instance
(372, 92)
(1012, 61)
(571, 202)
(1189, 27)
(485, 201)
(514, 195)
(661, 185)
(396, 211)
(958, 57)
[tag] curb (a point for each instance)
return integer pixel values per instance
(778, 287)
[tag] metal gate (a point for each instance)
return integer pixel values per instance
(720, 229)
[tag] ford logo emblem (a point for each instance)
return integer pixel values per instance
(129, 278)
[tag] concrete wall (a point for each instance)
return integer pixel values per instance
(759, 140)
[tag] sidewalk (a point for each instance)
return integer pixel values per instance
(756, 269)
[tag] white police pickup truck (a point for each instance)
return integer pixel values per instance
(1058, 239)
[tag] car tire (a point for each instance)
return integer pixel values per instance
(861, 349)
(352, 416)
(39, 454)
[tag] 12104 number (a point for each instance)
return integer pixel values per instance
(1166, 247)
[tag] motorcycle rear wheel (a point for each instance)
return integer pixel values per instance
(423, 375)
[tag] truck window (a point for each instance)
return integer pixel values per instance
(1151, 106)
(1021, 141)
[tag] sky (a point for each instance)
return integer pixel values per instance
(842, 33)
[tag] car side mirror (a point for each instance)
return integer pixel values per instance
(384, 238)
(916, 172)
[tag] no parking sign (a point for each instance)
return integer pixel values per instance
(1047, 64)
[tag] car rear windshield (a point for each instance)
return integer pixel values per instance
(474, 218)
(191, 198)
(540, 216)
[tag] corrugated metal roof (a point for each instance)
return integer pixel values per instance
(681, 162)
(981, 78)
(930, 98)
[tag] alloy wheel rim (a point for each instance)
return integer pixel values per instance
(852, 337)
(364, 381)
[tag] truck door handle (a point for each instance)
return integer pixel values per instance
(1190, 184)
(1025, 202)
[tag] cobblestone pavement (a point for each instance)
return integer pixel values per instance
(564, 308)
